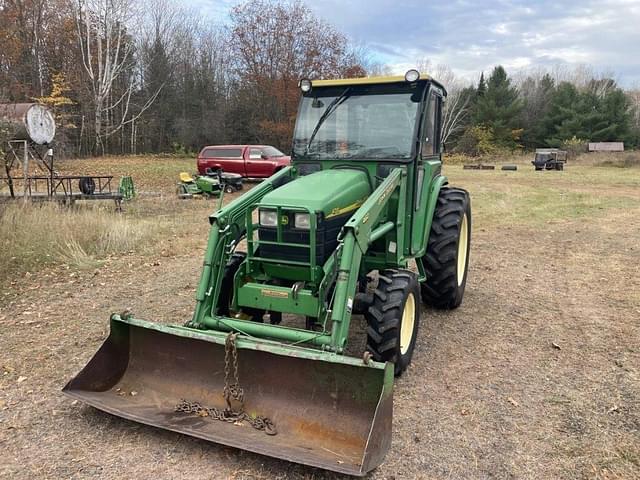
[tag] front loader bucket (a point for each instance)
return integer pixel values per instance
(330, 411)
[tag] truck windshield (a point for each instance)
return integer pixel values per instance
(359, 123)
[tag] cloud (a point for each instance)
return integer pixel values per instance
(473, 36)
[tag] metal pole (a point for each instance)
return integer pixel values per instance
(25, 170)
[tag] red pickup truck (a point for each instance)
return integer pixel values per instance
(255, 161)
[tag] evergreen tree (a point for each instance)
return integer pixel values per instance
(536, 95)
(599, 114)
(160, 118)
(482, 86)
(498, 109)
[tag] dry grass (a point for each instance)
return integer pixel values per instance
(156, 174)
(627, 159)
(35, 236)
(554, 261)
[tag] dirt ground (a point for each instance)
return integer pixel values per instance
(536, 375)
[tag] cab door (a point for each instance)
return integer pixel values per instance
(428, 167)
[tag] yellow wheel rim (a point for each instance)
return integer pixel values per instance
(462, 248)
(408, 321)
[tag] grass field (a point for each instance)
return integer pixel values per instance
(536, 375)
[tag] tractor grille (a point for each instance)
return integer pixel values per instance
(326, 240)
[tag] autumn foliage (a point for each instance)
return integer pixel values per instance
(132, 77)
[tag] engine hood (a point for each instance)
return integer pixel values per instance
(332, 192)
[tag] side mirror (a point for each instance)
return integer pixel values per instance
(263, 156)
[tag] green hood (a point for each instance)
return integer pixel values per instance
(332, 192)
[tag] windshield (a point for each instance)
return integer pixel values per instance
(272, 152)
(360, 122)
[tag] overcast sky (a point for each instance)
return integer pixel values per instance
(473, 36)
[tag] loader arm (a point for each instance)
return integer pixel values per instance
(355, 238)
(227, 227)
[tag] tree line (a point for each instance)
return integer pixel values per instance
(130, 77)
(124, 76)
(565, 108)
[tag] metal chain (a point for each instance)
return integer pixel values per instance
(232, 391)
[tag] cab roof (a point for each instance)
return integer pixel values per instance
(369, 81)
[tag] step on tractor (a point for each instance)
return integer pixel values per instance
(362, 223)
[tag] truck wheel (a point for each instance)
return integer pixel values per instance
(447, 259)
(393, 318)
(226, 289)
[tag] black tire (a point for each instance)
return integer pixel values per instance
(446, 280)
(87, 185)
(385, 317)
(226, 288)
(229, 189)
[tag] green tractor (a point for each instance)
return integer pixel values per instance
(362, 222)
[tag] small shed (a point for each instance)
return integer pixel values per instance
(606, 146)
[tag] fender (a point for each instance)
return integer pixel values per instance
(436, 185)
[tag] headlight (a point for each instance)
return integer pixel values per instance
(305, 85)
(268, 218)
(412, 75)
(301, 220)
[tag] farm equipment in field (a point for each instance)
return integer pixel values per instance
(126, 188)
(549, 159)
(232, 182)
(198, 185)
(328, 237)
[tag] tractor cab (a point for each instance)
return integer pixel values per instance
(365, 120)
(349, 136)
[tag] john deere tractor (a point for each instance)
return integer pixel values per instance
(362, 223)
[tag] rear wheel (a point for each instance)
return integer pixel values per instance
(393, 318)
(447, 259)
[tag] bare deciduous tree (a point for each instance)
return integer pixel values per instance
(456, 105)
(107, 57)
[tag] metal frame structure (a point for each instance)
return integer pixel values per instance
(52, 186)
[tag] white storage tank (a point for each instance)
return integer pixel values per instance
(30, 121)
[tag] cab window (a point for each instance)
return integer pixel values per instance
(430, 144)
(255, 154)
(222, 153)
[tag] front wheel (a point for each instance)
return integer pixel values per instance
(226, 289)
(393, 318)
(447, 259)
